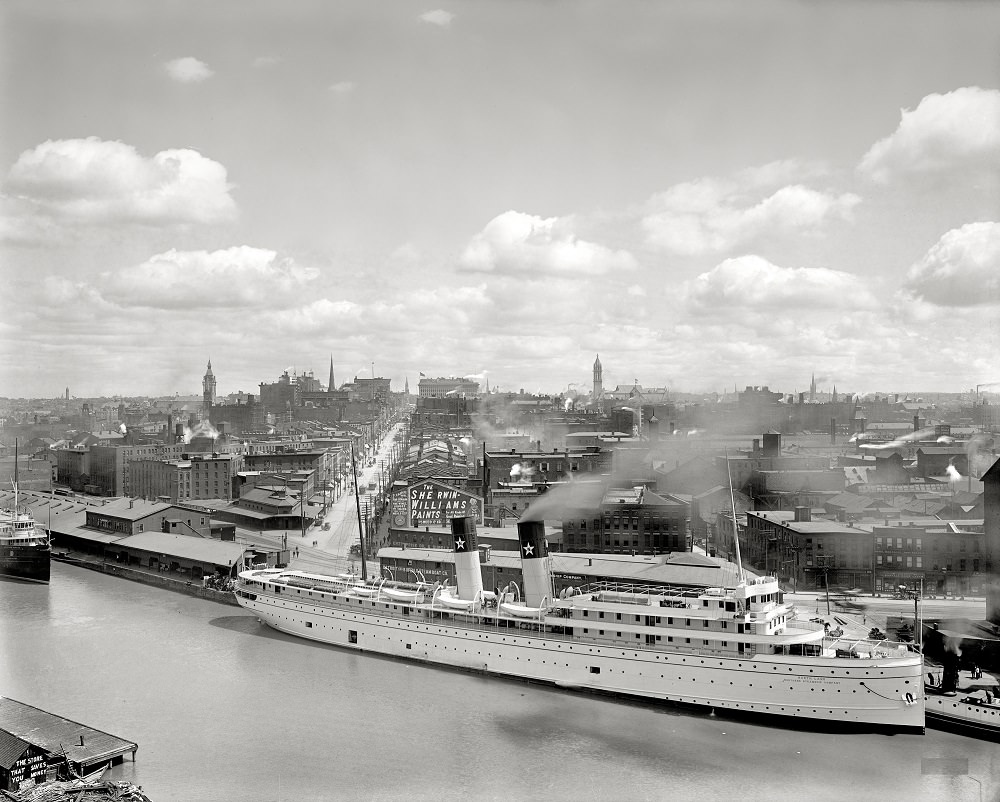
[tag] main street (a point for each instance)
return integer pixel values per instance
(321, 547)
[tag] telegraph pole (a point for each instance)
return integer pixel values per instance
(357, 504)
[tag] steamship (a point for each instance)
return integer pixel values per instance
(24, 547)
(740, 650)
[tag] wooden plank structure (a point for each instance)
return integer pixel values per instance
(83, 747)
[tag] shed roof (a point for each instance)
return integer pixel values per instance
(131, 509)
(55, 734)
(11, 749)
(216, 552)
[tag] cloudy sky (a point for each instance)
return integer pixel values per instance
(707, 194)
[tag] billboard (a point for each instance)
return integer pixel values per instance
(431, 503)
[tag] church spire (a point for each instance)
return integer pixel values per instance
(331, 386)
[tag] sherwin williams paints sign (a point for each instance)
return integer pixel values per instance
(431, 503)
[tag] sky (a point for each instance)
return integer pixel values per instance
(706, 194)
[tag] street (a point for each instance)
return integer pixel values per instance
(326, 549)
(865, 612)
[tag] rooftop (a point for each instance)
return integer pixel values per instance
(56, 735)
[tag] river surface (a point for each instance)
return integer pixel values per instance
(224, 708)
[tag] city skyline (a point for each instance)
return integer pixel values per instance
(708, 195)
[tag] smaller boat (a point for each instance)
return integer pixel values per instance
(448, 597)
(368, 591)
(970, 707)
(975, 714)
(521, 610)
(406, 595)
(25, 551)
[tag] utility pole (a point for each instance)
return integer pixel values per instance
(822, 565)
(357, 504)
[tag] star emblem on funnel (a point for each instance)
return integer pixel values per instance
(460, 544)
(529, 550)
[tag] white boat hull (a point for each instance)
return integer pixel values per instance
(868, 693)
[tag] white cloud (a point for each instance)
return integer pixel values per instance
(517, 243)
(754, 284)
(96, 181)
(240, 277)
(188, 70)
(438, 17)
(715, 215)
(961, 269)
(343, 87)
(954, 130)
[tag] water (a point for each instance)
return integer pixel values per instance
(225, 709)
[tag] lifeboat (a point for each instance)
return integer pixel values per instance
(447, 597)
(404, 595)
(521, 610)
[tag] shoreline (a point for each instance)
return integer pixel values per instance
(185, 586)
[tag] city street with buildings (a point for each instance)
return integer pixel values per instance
(327, 543)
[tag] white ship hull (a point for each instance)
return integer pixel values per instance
(954, 713)
(836, 692)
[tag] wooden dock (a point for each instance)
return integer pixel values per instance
(61, 740)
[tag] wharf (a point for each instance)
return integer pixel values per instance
(61, 740)
(148, 576)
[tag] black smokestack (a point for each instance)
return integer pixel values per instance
(531, 535)
(463, 531)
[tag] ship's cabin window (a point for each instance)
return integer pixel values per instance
(595, 669)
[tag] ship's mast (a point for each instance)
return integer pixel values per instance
(14, 516)
(736, 529)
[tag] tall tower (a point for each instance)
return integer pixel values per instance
(332, 385)
(598, 380)
(812, 388)
(208, 392)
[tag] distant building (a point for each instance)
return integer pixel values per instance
(812, 552)
(207, 392)
(443, 387)
(629, 521)
(199, 477)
